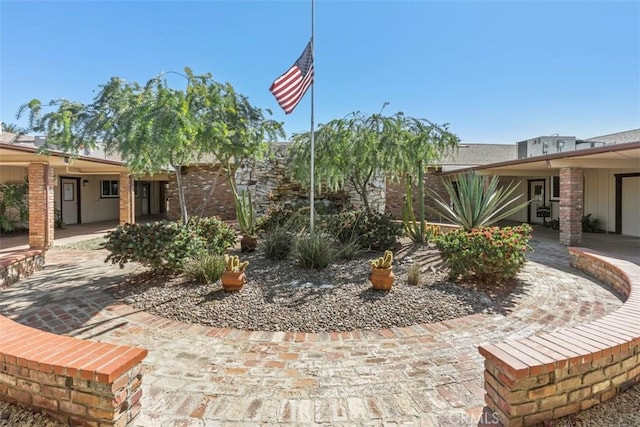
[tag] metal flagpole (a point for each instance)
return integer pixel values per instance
(313, 85)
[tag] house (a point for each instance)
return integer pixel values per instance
(599, 176)
(88, 188)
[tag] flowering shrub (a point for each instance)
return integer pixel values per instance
(485, 254)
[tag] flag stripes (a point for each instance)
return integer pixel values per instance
(290, 87)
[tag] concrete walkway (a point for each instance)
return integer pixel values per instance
(425, 375)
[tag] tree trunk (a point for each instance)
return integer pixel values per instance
(181, 198)
(422, 228)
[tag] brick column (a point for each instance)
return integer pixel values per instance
(41, 207)
(571, 206)
(127, 212)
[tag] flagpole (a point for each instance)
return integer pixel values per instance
(313, 85)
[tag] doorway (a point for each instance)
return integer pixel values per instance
(538, 211)
(70, 200)
(142, 198)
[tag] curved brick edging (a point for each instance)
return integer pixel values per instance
(75, 381)
(20, 264)
(548, 376)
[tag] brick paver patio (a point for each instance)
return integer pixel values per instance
(196, 376)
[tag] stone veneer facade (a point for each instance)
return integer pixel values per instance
(270, 181)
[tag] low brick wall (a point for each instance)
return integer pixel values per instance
(75, 381)
(543, 377)
(20, 264)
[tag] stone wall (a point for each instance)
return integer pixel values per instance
(19, 265)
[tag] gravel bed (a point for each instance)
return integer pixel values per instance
(280, 296)
(15, 416)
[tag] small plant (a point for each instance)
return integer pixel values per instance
(206, 268)
(244, 212)
(277, 243)
(314, 251)
(414, 275)
(554, 224)
(350, 250)
(590, 225)
(276, 216)
(384, 261)
(14, 210)
(232, 263)
(58, 222)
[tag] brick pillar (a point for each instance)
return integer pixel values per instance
(571, 206)
(127, 212)
(41, 206)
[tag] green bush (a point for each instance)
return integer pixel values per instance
(350, 250)
(590, 225)
(315, 251)
(277, 243)
(486, 254)
(161, 245)
(14, 210)
(205, 268)
(371, 229)
(216, 233)
(276, 216)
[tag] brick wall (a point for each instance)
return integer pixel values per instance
(197, 182)
(41, 205)
(571, 206)
(126, 193)
(536, 379)
(74, 381)
(20, 264)
(395, 195)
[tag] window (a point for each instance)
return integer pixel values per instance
(555, 188)
(109, 189)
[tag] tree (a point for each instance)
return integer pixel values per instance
(10, 127)
(418, 145)
(154, 127)
(351, 149)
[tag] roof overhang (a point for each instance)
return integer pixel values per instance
(64, 164)
(614, 156)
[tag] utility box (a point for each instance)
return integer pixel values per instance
(543, 145)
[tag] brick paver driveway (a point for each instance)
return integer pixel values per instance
(195, 376)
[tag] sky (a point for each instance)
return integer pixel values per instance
(495, 71)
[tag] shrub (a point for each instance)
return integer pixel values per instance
(486, 254)
(14, 209)
(372, 229)
(159, 245)
(276, 216)
(277, 243)
(217, 234)
(205, 268)
(314, 251)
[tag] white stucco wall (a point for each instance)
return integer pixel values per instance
(93, 207)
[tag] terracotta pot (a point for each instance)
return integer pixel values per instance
(248, 243)
(381, 278)
(232, 282)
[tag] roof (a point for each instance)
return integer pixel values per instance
(10, 138)
(618, 137)
(611, 156)
(481, 154)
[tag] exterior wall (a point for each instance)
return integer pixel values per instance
(13, 174)
(600, 195)
(197, 182)
(41, 206)
(94, 208)
(395, 192)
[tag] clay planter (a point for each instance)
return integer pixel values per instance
(232, 282)
(248, 243)
(381, 278)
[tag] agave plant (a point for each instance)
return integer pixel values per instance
(478, 201)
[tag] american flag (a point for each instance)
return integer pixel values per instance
(290, 87)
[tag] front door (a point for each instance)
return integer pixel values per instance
(537, 208)
(69, 200)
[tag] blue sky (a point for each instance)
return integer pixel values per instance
(497, 72)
